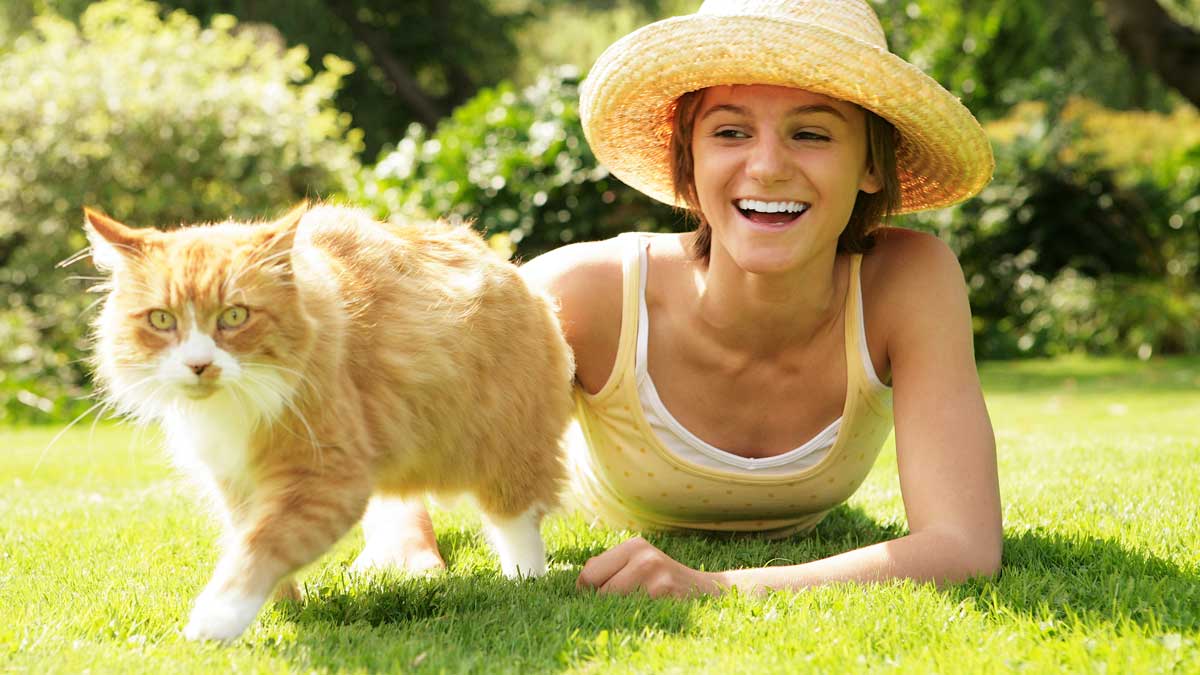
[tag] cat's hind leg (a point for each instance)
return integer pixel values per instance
(517, 541)
(399, 536)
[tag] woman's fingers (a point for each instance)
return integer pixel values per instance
(628, 579)
(636, 565)
(597, 571)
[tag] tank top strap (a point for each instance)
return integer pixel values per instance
(631, 288)
(860, 367)
(855, 335)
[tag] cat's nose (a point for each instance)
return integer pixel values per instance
(199, 368)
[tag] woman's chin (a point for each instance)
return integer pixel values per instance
(757, 258)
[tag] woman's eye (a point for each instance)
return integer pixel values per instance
(729, 133)
(233, 317)
(162, 320)
(809, 136)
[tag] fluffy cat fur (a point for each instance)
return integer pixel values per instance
(366, 359)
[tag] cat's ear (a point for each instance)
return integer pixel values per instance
(112, 242)
(279, 235)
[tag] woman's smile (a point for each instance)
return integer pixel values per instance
(771, 215)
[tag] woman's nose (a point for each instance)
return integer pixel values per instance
(768, 161)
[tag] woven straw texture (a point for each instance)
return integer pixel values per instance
(832, 47)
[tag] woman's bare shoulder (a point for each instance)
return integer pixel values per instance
(585, 281)
(915, 284)
(577, 274)
(905, 266)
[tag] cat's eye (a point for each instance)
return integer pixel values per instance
(162, 320)
(233, 317)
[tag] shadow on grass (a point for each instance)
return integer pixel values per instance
(1094, 582)
(477, 623)
(481, 622)
(1046, 575)
(474, 621)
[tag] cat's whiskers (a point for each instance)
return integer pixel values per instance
(270, 384)
(105, 407)
(142, 411)
(108, 284)
(301, 378)
(245, 410)
(134, 284)
(75, 257)
(91, 305)
(103, 404)
(85, 277)
(59, 435)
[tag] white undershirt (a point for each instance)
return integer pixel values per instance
(689, 447)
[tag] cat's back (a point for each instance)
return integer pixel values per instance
(436, 321)
(427, 288)
(361, 249)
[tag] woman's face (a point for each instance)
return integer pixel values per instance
(777, 171)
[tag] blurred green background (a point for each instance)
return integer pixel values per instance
(1088, 239)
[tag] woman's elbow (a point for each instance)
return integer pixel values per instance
(971, 556)
(981, 556)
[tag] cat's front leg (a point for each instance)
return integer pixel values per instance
(231, 599)
(294, 523)
(287, 590)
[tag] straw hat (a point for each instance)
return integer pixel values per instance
(832, 47)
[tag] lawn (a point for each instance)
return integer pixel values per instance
(103, 548)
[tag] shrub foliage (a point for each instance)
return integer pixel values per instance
(156, 120)
(516, 164)
(1083, 241)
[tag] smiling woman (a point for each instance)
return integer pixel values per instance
(870, 208)
(743, 377)
(749, 145)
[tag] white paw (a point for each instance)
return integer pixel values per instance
(221, 617)
(411, 562)
(518, 544)
(528, 569)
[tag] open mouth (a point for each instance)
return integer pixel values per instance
(773, 214)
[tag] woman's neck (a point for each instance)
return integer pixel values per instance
(764, 315)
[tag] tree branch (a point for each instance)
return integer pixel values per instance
(1153, 39)
(427, 112)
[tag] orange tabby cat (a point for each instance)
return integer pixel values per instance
(301, 366)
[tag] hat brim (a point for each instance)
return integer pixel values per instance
(943, 156)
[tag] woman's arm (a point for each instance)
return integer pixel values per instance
(945, 451)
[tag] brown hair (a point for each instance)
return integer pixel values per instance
(870, 210)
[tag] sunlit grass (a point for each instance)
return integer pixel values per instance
(102, 549)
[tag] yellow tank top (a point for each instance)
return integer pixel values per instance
(625, 476)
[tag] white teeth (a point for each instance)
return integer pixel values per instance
(771, 207)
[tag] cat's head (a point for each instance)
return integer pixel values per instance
(200, 315)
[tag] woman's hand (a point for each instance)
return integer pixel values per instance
(636, 564)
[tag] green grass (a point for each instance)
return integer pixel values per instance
(102, 549)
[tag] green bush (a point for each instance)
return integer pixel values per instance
(157, 121)
(518, 166)
(1107, 315)
(1069, 222)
